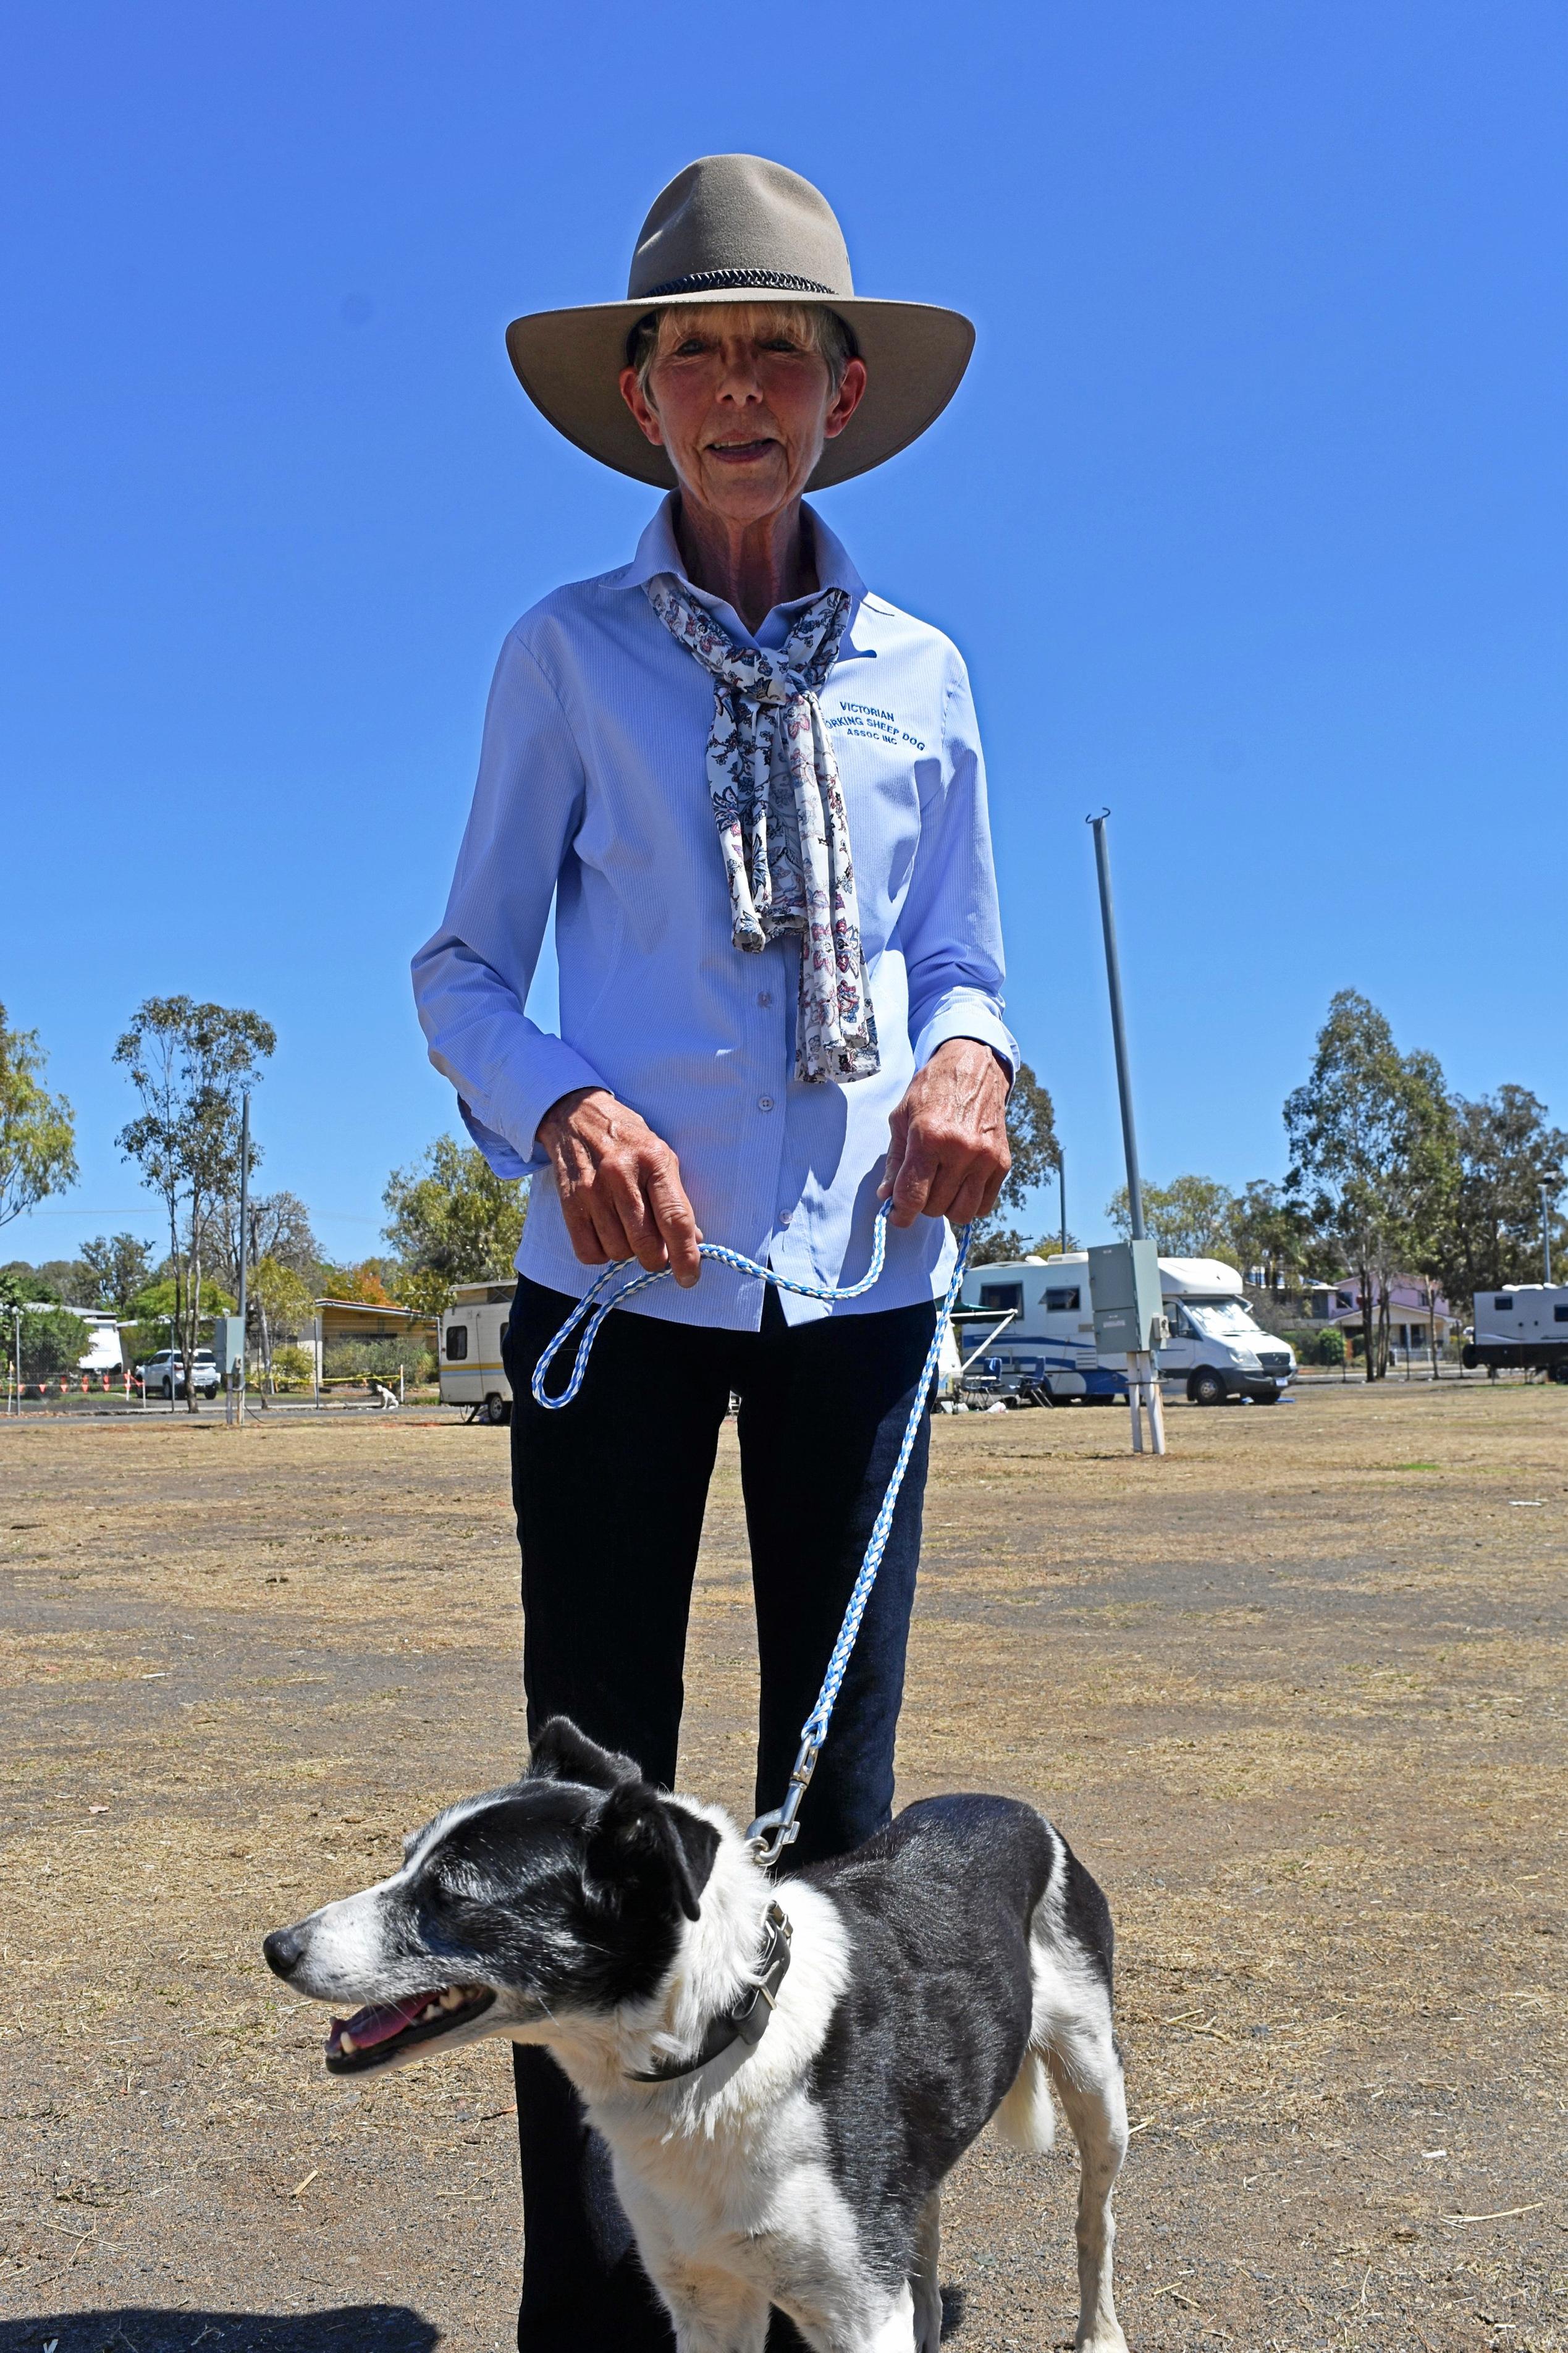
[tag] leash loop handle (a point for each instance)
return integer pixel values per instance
(772, 1832)
(597, 1308)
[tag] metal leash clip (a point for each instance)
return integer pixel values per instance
(772, 1832)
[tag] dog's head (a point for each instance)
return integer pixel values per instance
(564, 1896)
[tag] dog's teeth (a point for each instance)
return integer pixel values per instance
(452, 1998)
(347, 2043)
(431, 2009)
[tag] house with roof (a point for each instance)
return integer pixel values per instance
(1414, 1306)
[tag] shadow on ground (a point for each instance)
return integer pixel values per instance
(144, 2328)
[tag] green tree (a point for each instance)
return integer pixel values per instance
(1188, 1217)
(37, 1131)
(1269, 1229)
(279, 1229)
(1505, 1151)
(53, 1340)
(451, 1219)
(282, 1302)
(190, 1065)
(116, 1267)
(1037, 1155)
(1371, 1139)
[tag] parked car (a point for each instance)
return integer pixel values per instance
(165, 1373)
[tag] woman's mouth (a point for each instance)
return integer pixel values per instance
(741, 453)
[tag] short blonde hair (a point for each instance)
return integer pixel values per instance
(818, 328)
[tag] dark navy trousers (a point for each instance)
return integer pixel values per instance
(610, 1496)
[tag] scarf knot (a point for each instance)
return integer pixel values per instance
(779, 807)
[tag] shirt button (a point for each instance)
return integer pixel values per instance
(765, 1102)
(764, 996)
(784, 1217)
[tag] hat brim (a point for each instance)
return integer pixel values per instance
(568, 363)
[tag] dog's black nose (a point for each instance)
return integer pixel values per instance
(282, 1950)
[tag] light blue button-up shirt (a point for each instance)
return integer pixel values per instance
(593, 788)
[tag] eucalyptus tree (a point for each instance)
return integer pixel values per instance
(1372, 1143)
(1188, 1217)
(37, 1131)
(190, 1065)
(451, 1219)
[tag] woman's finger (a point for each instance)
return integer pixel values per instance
(969, 1198)
(621, 1184)
(676, 1221)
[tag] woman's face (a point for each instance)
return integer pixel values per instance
(742, 404)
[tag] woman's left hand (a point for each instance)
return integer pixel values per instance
(948, 1156)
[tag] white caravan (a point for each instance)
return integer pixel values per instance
(1216, 1349)
(1525, 1323)
(472, 1373)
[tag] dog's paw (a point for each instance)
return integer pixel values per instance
(1104, 2340)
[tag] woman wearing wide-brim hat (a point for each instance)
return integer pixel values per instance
(754, 790)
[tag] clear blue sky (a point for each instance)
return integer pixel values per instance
(1249, 516)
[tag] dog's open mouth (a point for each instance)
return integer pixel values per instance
(374, 2035)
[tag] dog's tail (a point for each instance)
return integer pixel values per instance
(1026, 2118)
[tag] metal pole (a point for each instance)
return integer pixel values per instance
(1142, 1370)
(1118, 1026)
(1062, 1181)
(244, 1236)
(1546, 1233)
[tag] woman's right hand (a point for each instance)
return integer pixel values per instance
(619, 1186)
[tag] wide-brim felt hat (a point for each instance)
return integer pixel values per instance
(736, 228)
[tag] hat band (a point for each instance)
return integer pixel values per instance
(713, 281)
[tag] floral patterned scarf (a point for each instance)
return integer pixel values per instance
(782, 823)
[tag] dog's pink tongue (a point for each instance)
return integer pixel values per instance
(378, 2023)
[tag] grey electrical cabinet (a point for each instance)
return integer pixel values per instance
(1124, 1292)
(228, 1343)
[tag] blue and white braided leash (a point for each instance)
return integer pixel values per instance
(772, 1832)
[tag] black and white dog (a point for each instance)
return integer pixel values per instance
(945, 1975)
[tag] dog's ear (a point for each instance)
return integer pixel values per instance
(561, 1753)
(641, 1839)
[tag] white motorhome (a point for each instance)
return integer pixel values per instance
(1525, 1323)
(1216, 1349)
(471, 1371)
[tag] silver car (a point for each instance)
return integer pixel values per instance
(165, 1373)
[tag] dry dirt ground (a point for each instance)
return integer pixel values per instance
(1294, 1694)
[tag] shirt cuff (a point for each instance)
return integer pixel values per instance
(968, 1013)
(507, 1127)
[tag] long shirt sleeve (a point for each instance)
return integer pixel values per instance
(471, 980)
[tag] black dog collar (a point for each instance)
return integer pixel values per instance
(747, 2022)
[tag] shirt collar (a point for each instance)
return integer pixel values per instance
(658, 550)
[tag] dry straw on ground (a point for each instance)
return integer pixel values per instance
(1295, 1693)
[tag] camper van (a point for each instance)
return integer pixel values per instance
(1216, 1349)
(471, 1371)
(1525, 1323)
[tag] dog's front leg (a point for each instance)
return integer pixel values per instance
(714, 2313)
(925, 2279)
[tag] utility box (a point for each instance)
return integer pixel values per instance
(228, 1343)
(1124, 1293)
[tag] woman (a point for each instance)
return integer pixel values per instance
(754, 790)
